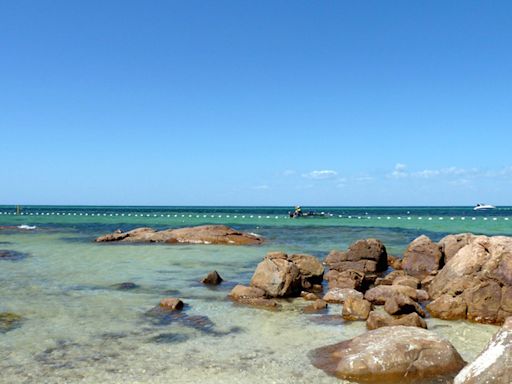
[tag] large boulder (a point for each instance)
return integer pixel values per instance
(479, 276)
(494, 364)
(451, 244)
(391, 355)
(447, 307)
(382, 319)
(310, 268)
(367, 255)
(204, 234)
(345, 279)
(277, 275)
(400, 304)
(422, 257)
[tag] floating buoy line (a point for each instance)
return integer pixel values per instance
(252, 216)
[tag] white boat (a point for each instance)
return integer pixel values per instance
(483, 207)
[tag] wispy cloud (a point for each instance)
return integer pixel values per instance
(261, 187)
(399, 171)
(321, 174)
(289, 172)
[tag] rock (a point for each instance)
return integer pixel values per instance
(356, 308)
(425, 283)
(318, 305)
(277, 276)
(204, 234)
(125, 286)
(378, 295)
(9, 321)
(309, 296)
(11, 255)
(317, 288)
(310, 268)
(364, 255)
(481, 274)
(447, 307)
(259, 302)
(408, 281)
(451, 244)
(389, 278)
(345, 279)
(493, 365)
(171, 303)
(212, 278)
(394, 262)
(382, 319)
(243, 292)
(392, 355)
(399, 304)
(339, 295)
(422, 257)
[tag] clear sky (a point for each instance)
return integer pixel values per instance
(256, 102)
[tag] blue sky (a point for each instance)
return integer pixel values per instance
(256, 103)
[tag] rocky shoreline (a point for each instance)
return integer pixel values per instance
(464, 277)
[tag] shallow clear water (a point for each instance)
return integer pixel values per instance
(79, 327)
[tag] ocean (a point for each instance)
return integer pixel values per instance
(80, 326)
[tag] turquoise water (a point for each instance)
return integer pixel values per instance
(79, 327)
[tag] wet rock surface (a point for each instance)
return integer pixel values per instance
(9, 321)
(391, 355)
(212, 278)
(204, 234)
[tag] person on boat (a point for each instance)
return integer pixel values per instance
(298, 211)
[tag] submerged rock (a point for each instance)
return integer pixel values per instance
(391, 355)
(127, 285)
(9, 321)
(316, 306)
(494, 364)
(171, 304)
(212, 278)
(6, 254)
(204, 234)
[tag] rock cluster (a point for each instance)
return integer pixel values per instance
(204, 234)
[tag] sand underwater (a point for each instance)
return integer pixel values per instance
(78, 325)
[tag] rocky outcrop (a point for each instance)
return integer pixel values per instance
(422, 258)
(392, 355)
(356, 308)
(494, 364)
(447, 307)
(478, 276)
(382, 319)
(280, 275)
(212, 278)
(204, 234)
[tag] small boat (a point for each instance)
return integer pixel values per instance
(483, 207)
(299, 213)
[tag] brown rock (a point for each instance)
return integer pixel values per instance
(493, 365)
(309, 296)
(212, 278)
(382, 319)
(204, 234)
(243, 292)
(408, 281)
(171, 303)
(422, 257)
(277, 276)
(451, 244)
(394, 262)
(364, 255)
(356, 308)
(345, 279)
(481, 272)
(389, 278)
(447, 307)
(397, 354)
(399, 304)
(318, 305)
(339, 295)
(378, 295)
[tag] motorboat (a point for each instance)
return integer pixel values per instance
(483, 207)
(299, 213)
